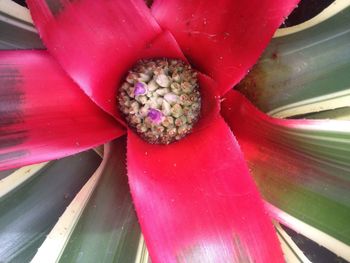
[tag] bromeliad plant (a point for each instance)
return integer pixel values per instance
(194, 197)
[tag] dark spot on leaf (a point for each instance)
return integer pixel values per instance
(11, 97)
(55, 6)
(11, 113)
(274, 55)
(8, 142)
(149, 2)
(5, 157)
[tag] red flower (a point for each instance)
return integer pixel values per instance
(194, 198)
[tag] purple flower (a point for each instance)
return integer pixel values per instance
(155, 115)
(140, 89)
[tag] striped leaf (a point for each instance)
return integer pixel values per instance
(100, 224)
(306, 67)
(33, 198)
(302, 167)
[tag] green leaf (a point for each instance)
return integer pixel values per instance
(292, 253)
(307, 174)
(6, 173)
(142, 255)
(336, 114)
(305, 68)
(323, 239)
(18, 177)
(303, 170)
(32, 207)
(16, 28)
(100, 224)
(312, 250)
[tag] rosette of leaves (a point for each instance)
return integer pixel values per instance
(303, 176)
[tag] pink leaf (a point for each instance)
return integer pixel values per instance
(43, 114)
(195, 198)
(222, 38)
(96, 42)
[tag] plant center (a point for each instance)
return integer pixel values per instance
(160, 99)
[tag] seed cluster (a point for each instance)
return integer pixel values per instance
(160, 99)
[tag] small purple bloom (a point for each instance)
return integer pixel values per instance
(155, 115)
(140, 89)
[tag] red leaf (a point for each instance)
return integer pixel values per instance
(96, 42)
(43, 114)
(240, 114)
(252, 127)
(195, 198)
(222, 38)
